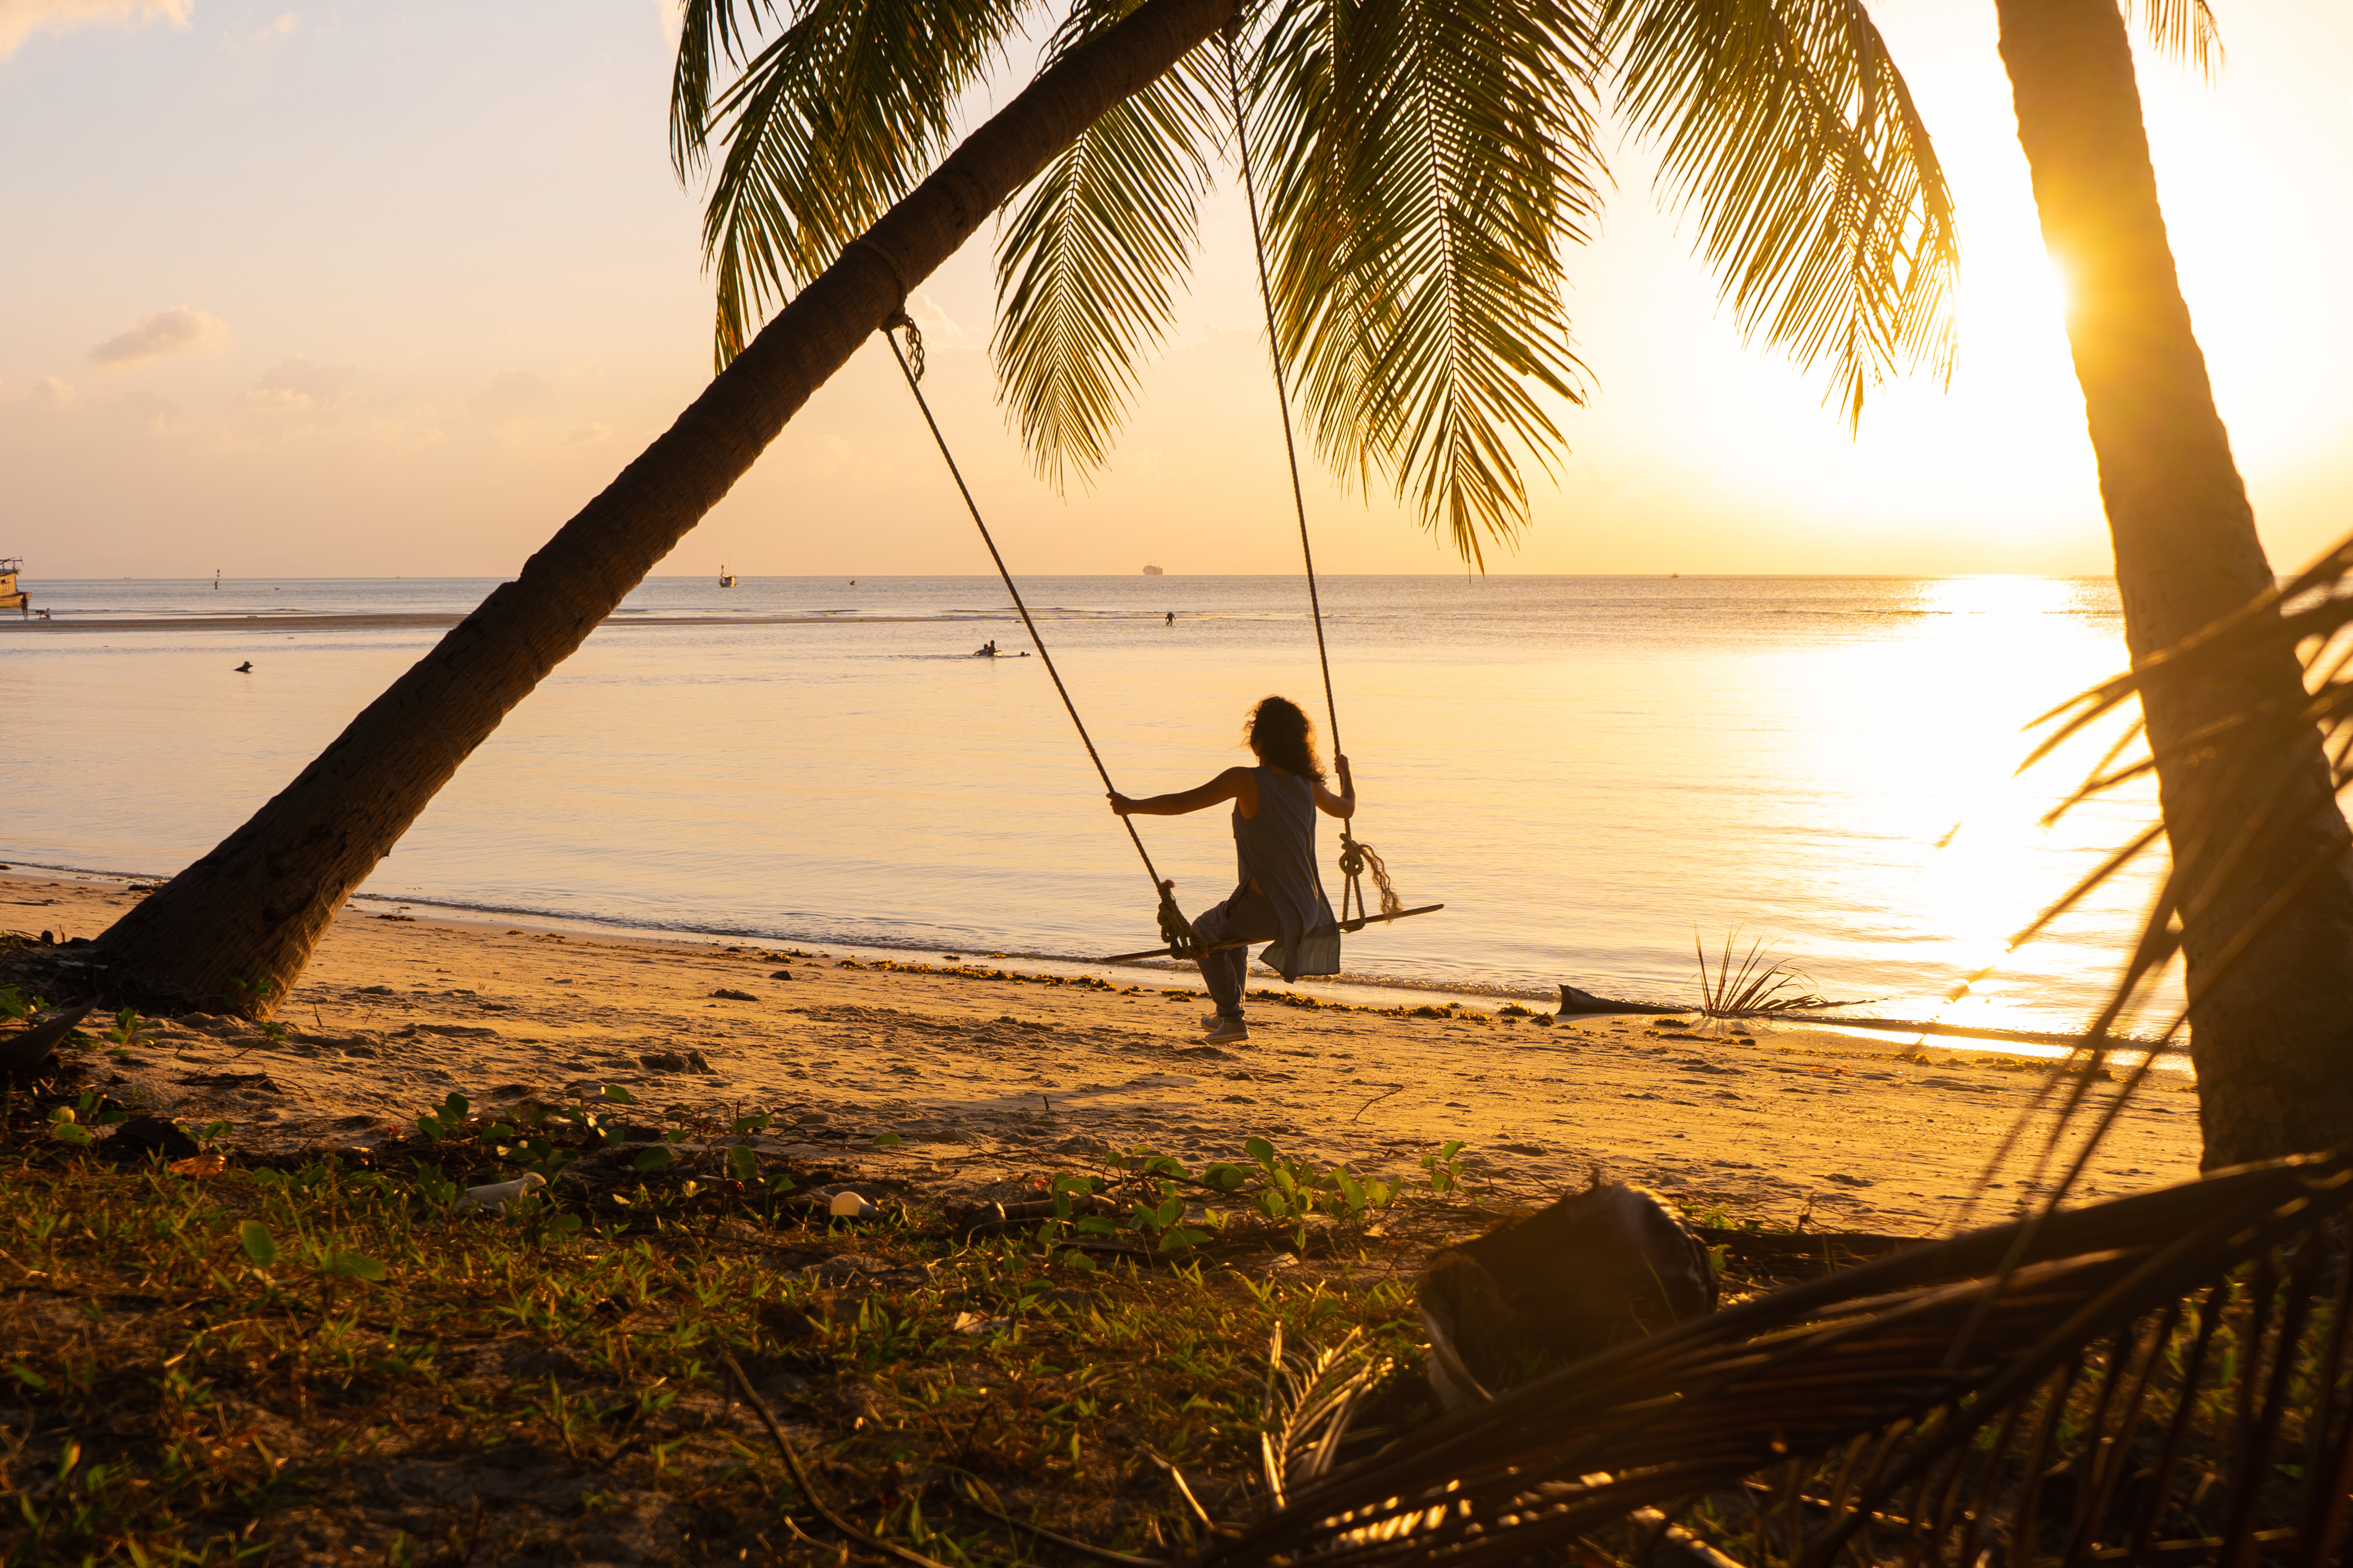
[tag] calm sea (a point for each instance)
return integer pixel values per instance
(1590, 772)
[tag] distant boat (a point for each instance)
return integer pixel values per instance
(727, 578)
(11, 596)
(1154, 572)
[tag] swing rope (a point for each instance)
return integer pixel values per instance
(1355, 858)
(1173, 923)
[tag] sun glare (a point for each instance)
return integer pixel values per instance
(1989, 654)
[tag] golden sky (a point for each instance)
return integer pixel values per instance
(395, 289)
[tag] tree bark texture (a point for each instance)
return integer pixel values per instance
(2271, 1033)
(234, 928)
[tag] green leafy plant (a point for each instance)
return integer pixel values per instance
(65, 1129)
(448, 1120)
(246, 998)
(1444, 1169)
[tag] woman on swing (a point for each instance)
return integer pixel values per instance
(1278, 897)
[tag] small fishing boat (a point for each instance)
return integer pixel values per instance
(11, 596)
(727, 578)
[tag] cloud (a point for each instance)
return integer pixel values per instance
(511, 398)
(588, 434)
(936, 325)
(178, 331)
(296, 386)
(20, 20)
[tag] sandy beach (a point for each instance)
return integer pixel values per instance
(984, 1073)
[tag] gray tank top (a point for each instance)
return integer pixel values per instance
(1277, 846)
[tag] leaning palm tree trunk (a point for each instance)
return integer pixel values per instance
(2270, 1032)
(235, 928)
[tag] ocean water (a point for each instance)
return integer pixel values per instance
(1590, 772)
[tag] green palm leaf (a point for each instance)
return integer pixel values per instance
(1428, 161)
(1822, 208)
(1087, 266)
(825, 127)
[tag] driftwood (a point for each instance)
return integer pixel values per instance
(29, 1048)
(1575, 1001)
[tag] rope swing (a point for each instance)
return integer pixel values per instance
(1174, 926)
(1356, 858)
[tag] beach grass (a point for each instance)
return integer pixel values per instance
(331, 1357)
(328, 1361)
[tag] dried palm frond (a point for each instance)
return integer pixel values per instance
(1310, 1398)
(2164, 1376)
(1757, 984)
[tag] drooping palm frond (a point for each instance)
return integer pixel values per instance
(1088, 264)
(1426, 165)
(2182, 28)
(2254, 819)
(710, 34)
(2160, 1378)
(1822, 208)
(835, 119)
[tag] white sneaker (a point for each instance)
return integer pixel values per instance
(1225, 1031)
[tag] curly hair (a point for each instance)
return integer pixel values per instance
(1281, 733)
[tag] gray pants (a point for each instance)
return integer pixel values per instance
(1245, 917)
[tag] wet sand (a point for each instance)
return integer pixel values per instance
(985, 1078)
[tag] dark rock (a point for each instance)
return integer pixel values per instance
(725, 994)
(1595, 1270)
(782, 974)
(143, 1135)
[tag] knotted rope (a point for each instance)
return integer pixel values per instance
(1174, 926)
(1355, 858)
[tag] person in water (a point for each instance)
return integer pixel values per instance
(1278, 897)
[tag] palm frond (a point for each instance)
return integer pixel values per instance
(1427, 162)
(1087, 265)
(2182, 28)
(1822, 208)
(2252, 817)
(2075, 1388)
(709, 32)
(1745, 984)
(828, 125)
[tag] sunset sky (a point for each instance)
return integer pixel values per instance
(395, 290)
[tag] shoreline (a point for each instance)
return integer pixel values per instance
(984, 1073)
(442, 620)
(1363, 989)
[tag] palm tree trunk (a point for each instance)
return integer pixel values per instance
(2271, 1033)
(234, 928)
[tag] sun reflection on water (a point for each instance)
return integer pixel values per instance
(1991, 642)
